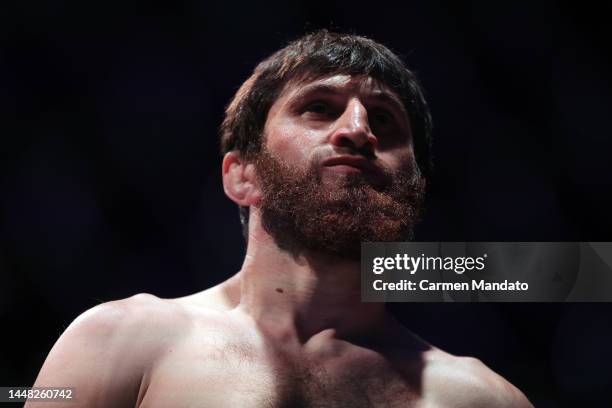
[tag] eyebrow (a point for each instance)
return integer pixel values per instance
(380, 95)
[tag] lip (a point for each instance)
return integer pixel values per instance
(356, 162)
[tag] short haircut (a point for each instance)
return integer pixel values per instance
(316, 55)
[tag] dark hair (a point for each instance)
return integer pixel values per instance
(310, 57)
(313, 56)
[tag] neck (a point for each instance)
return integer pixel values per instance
(298, 297)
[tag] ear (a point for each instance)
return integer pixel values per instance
(240, 181)
(423, 181)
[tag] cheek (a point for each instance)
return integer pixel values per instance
(395, 160)
(290, 143)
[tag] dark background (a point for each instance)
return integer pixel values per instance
(109, 164)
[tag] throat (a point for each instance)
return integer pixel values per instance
(283, 313)
(307, 295)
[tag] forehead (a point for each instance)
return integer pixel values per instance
(361, 85)
(354, 83)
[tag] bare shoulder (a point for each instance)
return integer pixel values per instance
(106, 351)
(222, 297)
(467, 382)
(123, 308)
(120, 323)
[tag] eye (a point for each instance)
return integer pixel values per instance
(382, 117)
(320, 108)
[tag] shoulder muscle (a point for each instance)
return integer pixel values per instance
(105, 352)
(467, 382)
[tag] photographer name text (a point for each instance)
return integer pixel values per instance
(427, 285)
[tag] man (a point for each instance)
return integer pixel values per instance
(326, 145)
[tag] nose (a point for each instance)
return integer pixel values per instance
(353, 129)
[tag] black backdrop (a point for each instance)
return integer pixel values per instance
(110, 181)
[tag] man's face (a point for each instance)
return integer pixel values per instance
(337, 166)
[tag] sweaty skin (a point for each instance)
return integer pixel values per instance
(286, 331)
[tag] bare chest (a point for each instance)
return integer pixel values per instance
(238, 376)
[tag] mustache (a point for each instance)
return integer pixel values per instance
(407, 173)
(328, 152)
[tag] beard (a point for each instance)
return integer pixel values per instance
(301, 212)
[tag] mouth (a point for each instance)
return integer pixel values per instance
(347, 164)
